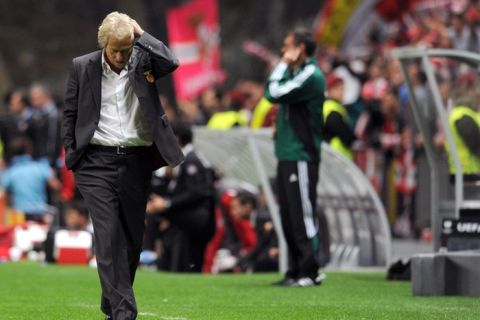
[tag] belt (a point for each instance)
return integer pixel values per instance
(120, 150)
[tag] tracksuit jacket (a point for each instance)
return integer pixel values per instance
(298, 132)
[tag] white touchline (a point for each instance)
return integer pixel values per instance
(147, 314)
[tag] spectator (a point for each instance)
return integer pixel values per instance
(377, 85)
(405, 184)
(26, 180)
(45, 125)
(76, 219)
(233, 117)
(234, 236)
(264, 256)
(391, 127)
(337, 131)
(210, 102)
(264, 114)
(461, 35)
(258, 110)
(464, 122)
(16, 122)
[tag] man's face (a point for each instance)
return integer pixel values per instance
(336, 92)
(37, 97)
(293, 54)
(288, 44)
(240, 211)
(16, 102)
(118, 52)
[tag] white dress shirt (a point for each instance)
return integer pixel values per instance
(122, 122)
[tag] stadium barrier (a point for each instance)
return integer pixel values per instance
(359, 233)
(455, 214)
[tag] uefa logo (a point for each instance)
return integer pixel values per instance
(447, 226)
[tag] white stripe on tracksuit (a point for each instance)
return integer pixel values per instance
(278, 89)
(303, 184)
(277, 73)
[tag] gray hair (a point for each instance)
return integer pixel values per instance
(116, 25)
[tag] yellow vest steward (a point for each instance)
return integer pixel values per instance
(336, 143)
(470, 163)
(260, 112)
(226, 120)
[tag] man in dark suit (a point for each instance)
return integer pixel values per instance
(189, 206)
(115, 133)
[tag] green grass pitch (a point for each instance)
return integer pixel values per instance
(31, 291)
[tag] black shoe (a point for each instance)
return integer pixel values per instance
(108, 318)
(286, 282)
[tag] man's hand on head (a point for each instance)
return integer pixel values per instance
(137, 30)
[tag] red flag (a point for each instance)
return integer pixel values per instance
(193, 33)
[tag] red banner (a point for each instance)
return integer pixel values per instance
(194, 37)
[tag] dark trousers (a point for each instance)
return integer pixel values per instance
(115, 190)
(182, 252)
(297, 183)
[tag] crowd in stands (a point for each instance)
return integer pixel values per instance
(377, 131)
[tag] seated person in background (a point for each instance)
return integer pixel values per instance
(188, 206)
(235, 235)
(76, 218)
(25, 181)
(264, 256)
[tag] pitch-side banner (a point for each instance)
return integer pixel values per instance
(193, 33)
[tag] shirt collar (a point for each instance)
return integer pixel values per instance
(20, 159)
(106, 67)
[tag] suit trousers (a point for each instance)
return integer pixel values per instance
(297, 185)
(115, 188)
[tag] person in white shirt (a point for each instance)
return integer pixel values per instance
(115, 133)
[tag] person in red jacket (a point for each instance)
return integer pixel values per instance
(235, 235)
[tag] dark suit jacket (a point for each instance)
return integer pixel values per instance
(83, 98)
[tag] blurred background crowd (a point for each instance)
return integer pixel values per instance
(383, 139)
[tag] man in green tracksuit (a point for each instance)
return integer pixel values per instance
(298, 85)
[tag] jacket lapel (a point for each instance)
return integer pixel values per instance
(94, 74)
(132, 69)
